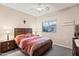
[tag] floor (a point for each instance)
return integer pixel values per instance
(55, 51)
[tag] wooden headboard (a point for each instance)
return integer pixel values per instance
(18, 31)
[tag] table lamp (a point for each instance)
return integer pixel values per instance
(7, 32)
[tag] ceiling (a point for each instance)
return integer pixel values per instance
(34, 8)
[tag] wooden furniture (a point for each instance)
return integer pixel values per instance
(75, 50)
(76, 34)
(39, 51)
(7, 45)
(18, 31)
(0, 48)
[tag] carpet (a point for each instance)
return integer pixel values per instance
(55, 51)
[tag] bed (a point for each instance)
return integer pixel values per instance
(37, 51)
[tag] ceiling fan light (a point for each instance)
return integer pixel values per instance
(39, 8)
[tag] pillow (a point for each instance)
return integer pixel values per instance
(29, 35)
(22, 36)
(19, 38)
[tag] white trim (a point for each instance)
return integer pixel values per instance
(63, 46)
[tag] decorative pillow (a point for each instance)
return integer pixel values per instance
(19, 38)
(29, 35)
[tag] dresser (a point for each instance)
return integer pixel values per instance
(7, 45)
(75, 46)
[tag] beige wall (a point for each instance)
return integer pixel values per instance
(65, 31)
(10, 19)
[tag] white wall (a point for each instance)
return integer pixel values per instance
(10, 19)
(64, 33)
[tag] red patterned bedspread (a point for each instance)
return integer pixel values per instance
(30, 43)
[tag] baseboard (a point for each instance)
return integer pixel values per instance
(64, 46)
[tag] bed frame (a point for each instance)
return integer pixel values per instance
(39, 51)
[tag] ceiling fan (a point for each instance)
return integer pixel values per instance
(41, 7)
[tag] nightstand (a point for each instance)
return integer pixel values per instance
(7, 45)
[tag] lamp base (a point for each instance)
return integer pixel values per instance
(7, 36)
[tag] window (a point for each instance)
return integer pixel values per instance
(49, 26)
